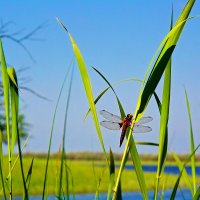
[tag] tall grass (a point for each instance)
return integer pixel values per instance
(159, 66)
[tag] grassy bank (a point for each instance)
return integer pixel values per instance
(86, 175)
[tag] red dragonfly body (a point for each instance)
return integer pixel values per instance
(126, 122)
(115, 123)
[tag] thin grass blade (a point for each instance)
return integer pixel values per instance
(44, 195)
(184, 173)
(147, 91)
(15, 131)
(1, 166)
(63, 160)
(118, 101)
(5, 82)
(169, 43)
(192, 146)
(105, 90)
(174, 190)
(137, 165)
(69, 176)
(14, 105)
(88, 88)
(147, 143)
(163, 135)
(133, 152)
(28, 177)
(197, 194)
(112, 175)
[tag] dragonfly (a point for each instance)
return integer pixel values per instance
(114, 122)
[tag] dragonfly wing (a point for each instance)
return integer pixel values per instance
(144, 120)
(110, 125)
(141, 129)
(110, 116)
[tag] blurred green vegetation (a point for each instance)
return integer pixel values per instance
(86, 170)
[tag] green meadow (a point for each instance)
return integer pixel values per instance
(86, 175)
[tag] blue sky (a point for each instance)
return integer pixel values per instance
(117, 37)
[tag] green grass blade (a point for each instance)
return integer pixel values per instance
(88, 88)
(112, 175)
(197, 194)
(163, 135)
(15, 131)
(64, 135)
(169, 43)
(118, 101)
(173, 194)
(147, 91)
(96, 100)
(153, 81)
(133, 152)
(5, 82)
(1, 166)
(14, 105)
(192, 147)
(105, 90)
(147, 143)
(68, 176)
(174, 190)
(158, 101)
(28, 177)
(119, 192)
(51, 134)
(17, 158)
(184, 173)
(137, 165)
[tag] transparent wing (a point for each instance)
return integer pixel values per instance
(141, 129)
(110, 116)
(144, 120)
(110, 125)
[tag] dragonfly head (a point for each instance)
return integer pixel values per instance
(129, 116)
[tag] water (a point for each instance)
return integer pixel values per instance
(169, 169)
(126, 196)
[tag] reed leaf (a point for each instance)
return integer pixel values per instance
(192, 146)
(133, 152)
(137, 165)
(106, 89)
(88, 88)
(164, 110)
(169, 44)
(15, 131)
(44, 195)
(14, 105)
(29, 174)
(64, 135)
(174, 190)
(158, 102)
(1, 166)
(5, 82)
(147, 143)
(197, 194)
(184, 173)
(118, 101)
(112, 175)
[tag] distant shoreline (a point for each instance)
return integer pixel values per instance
(86, 155)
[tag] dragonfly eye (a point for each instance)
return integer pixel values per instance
(129, 116)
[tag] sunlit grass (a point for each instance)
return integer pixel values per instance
(86, 182)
